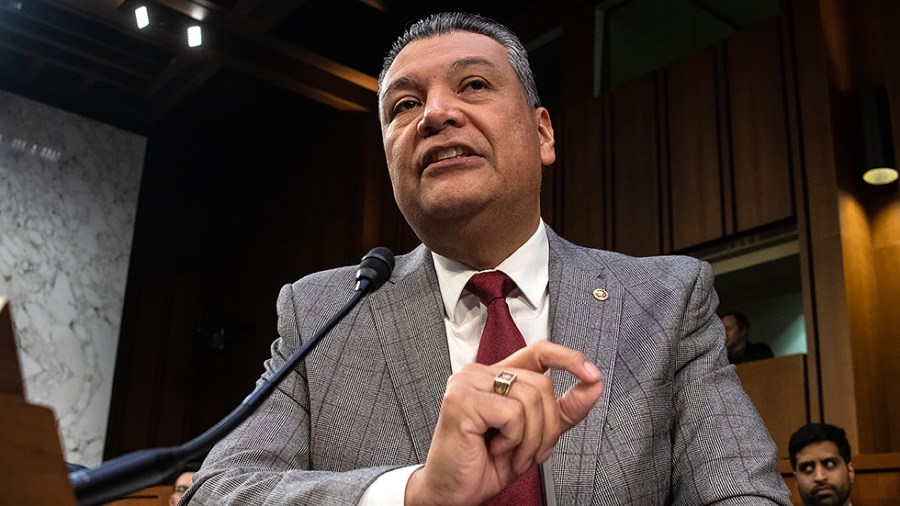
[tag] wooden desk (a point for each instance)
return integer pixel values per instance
(777, 387)
(152, 496)
(32, 468)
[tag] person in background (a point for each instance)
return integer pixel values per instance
(737, 340)
(182, 483)
(435, 389)
(820, 459)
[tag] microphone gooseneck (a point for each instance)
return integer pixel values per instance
(134, 471)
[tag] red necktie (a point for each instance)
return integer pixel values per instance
(500, 339)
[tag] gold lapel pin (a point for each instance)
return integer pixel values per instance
(600, 294)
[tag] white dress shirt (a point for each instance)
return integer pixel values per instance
(464, 318)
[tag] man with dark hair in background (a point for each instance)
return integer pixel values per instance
(820, 458)
(619, 392)
(737, 340)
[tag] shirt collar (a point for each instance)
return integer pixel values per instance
(527, 267)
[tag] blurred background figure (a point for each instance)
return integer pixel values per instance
(820, 459)
(182, 483)
(737, 340)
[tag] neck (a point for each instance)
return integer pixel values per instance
(477, 245)
(737, 348)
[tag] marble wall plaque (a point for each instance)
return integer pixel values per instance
(68, 197)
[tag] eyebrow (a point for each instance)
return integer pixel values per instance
(471, 61)
(823, 460)
(401, 83)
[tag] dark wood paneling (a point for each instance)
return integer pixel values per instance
(10, 371)
(581, 172)
(694, 153)
(798, 175)
(663, 169)
(231, 208)
(759, 140)
(888, 253)
(828, 335)
(636, 198)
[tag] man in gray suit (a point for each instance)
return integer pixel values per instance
(623, 394)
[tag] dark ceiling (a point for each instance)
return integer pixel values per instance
(89, 57)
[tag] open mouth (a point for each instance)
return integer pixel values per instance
(448, 153)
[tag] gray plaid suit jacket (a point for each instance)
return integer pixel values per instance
(673, 425)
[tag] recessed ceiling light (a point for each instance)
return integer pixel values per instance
(195, 38)
(142, 17)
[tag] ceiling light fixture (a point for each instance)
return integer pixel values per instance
(142, 17)
(195, 38)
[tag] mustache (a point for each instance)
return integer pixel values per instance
(825, 486)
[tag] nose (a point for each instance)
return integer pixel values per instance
(819, 474)
(441, 110)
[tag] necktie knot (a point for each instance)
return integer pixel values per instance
(490, 286)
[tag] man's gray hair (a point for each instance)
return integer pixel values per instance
(447, 22)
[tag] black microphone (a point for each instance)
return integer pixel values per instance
(143, 468)
(374, 269)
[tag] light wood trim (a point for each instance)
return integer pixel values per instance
(32, 469)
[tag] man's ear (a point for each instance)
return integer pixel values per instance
(851, 472)
(545, 133)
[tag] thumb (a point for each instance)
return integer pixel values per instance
(576, 403)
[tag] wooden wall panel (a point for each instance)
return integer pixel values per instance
(789, 409)
(883, 207)
(579, 171)
(231, 208)
(694, 151)
(853, 239)
(10, 371)
(798, 175)
(758, 119)
(870, 219)
(636, 188)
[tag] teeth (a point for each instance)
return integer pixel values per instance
(449, 153)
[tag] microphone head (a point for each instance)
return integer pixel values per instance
(374, 269)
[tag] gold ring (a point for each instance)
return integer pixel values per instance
(504, 382)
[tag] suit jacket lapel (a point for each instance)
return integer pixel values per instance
(408, 316)
(580, 320)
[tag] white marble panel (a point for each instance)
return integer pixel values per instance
(68, 196)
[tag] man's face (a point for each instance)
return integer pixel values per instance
(823, 478)
(734, 334)
(181, 485)
(458, 135)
